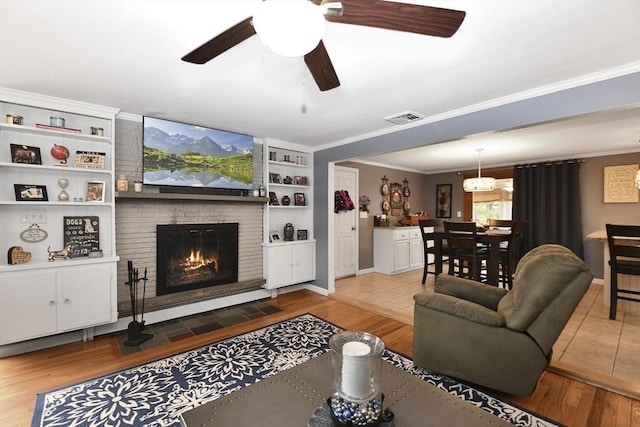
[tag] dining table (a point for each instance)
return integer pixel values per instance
(491, 237)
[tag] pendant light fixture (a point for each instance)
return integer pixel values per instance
(479, 183)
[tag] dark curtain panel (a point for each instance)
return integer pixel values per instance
(548, 196)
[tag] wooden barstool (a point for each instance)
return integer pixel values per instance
(624, 252)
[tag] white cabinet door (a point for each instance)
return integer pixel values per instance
(402, 255)
(84, 296)
(280, 267)
(27, 305)
(304, 263)
(417, 253)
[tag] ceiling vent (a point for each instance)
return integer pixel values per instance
(404, 117)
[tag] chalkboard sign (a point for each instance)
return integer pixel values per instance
(83, 233)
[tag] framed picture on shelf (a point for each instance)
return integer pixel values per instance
(443, 201)
(95, 191)
(301, 180)
(273, 199)
(299, 200)
(274, 237)
(82, 233)
(30, 193)
(89, 160)
(25, 154)
(275, 178)
(302, 234)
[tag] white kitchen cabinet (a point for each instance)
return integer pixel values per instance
(59, 299)
(397, 249)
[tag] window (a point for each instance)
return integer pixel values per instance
(494, 204)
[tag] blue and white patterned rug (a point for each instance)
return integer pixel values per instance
(157, 393)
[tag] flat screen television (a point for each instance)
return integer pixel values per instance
(180, 157)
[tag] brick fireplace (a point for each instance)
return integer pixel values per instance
(136, 237)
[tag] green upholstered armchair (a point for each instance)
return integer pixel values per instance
(497, 338)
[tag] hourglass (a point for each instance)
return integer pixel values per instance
(63, 196)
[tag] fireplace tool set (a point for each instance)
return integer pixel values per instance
(135, 335)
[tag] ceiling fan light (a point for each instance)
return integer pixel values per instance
(289, 28)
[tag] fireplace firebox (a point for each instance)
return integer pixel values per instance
(194, 256)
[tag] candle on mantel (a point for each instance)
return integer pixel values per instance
(356, 370)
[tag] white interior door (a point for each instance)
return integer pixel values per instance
(345, 225)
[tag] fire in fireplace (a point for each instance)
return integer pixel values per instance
(194, 256)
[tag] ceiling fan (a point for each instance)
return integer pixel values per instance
(427, 20)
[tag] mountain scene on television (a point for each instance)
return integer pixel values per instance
(178, 154)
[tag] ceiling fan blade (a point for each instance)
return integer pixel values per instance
(321, 68)
(221, 43)
(427, 20)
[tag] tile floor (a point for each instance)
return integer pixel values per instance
(590, 340)
(185, 327)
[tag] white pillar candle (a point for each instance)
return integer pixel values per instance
(356, 370)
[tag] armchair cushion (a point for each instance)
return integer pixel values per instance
(460, 308)
(470, 290)
(541, 277)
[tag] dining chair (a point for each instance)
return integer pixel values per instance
(427, 226)
(510, 253)
(624, 258)
(466, 257)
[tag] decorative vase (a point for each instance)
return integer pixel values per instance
(286, 200)
(288, 231)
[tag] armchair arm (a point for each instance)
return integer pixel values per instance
(470, 290)
(458, 307)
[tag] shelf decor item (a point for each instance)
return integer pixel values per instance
(301, 180)
(274, 237)
(25, 154)
(82, 233)
(60, 152)
(288, 232)
(299, 200)
(273, 199)
(275, 178)
(30, 193)
(302, 234)
(95, 191)
(89, 160)
(63, 196)
(17, 255)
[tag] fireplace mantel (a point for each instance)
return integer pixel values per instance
(151, 196)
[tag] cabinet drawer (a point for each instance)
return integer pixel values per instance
(414, 233)
(401, 234)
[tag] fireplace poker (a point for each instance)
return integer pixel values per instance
(144, 293)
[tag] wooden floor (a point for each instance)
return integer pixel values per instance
(563, 399)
